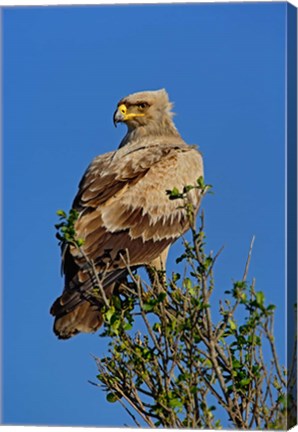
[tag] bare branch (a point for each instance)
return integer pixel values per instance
(248, 259)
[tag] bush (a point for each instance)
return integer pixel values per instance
(170, 363)
(176, 366)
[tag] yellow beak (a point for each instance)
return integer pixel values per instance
(121, 115)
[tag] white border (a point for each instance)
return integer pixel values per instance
(78, 429)
(1, 221)
(79, 2)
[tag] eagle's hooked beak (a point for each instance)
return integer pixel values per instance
(119, 114)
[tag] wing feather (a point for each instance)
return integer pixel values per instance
(125, 211)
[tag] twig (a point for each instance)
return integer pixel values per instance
(129, 413)
(119, 390)
(248, 258)
(95, 274)
(274, 353)
(214, 260)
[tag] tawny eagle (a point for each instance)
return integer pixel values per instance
(124, 208)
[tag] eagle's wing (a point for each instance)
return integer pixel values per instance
(124, 212)
(124, 206)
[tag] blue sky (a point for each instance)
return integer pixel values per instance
(65, 68)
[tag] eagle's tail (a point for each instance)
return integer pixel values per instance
(77, 311)
(85, 318)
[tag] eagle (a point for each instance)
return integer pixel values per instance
(124, 213)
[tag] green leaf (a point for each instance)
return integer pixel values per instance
(61, 213)
(161, 297)
(236, 364)
(260, 297)
(111, 397)
(233, 326)
(230, 388)
(175, 277)
(187, 283)
(175, 191)
(147, 307)
(127, 326)
(73, 214)
(244, 382)
(207, 363)
(243, 297)
(80, 241)
(174, 194)
(115, 326)
(194, 390)
(208, 262)
(110, 312)
(117, 302)
(200, 182)
(59, 225)
(187, 188)
(217, 424)
(175, 403)
(156, 327)
(282, 399)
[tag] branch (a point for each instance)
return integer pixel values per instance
(248, 258)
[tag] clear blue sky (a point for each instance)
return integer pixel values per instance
(65, 69)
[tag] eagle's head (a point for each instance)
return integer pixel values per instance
(148, 108)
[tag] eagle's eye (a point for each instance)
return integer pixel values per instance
(142, 105)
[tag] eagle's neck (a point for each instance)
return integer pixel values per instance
(165, 127)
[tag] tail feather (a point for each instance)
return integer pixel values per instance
(77, 310)
(85, 318)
